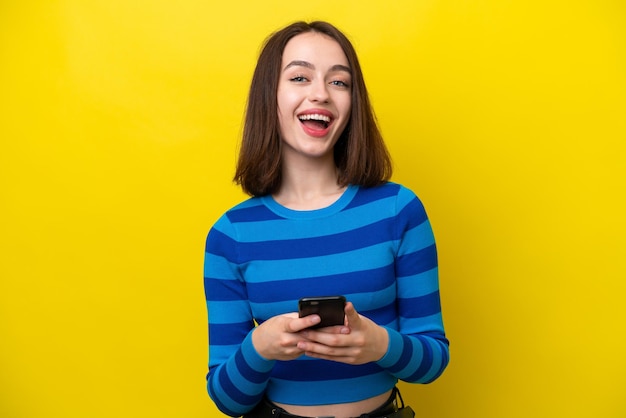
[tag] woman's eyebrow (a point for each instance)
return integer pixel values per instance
(298, 63)
(339, 67)
(306, 64)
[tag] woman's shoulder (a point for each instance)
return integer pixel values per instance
(389, 189)
(247, 204)
(250, 210)
(390, 198)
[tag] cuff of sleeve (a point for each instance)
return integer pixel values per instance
(253, 358)
(394, 349)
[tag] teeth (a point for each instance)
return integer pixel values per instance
(315, 116)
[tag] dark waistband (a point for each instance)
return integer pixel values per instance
(267, 409)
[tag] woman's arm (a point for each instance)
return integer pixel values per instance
(241, 356)
(238, 375)
(419, 350)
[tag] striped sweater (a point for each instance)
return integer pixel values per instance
(373, 245)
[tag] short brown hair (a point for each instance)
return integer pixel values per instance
(360, 153)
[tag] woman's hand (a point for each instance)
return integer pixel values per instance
(278, 337)
(360, 341)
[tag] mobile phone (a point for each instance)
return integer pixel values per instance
(329, 308)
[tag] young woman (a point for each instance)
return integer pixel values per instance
(322, 220)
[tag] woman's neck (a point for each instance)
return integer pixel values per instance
(309, 188)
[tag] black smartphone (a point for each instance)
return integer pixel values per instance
(329, 308)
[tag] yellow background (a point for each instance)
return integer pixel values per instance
(119, 123)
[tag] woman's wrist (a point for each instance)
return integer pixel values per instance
(257, 345)
(382, 342)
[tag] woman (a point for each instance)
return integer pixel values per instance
(322, 220)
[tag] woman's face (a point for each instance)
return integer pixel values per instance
(314, 96)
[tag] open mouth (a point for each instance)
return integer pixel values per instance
(315, 121)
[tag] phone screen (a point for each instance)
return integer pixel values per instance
(329, 308)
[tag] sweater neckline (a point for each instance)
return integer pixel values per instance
(335, 207)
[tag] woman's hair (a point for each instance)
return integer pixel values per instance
(360, 154)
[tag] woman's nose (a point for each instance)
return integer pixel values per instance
(319, 91)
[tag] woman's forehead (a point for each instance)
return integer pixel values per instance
(313, 49)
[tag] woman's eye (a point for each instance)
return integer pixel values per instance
(339, 83)
(298, 79)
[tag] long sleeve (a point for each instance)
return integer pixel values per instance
(373, 245)
(238, 375)
(418, 350)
